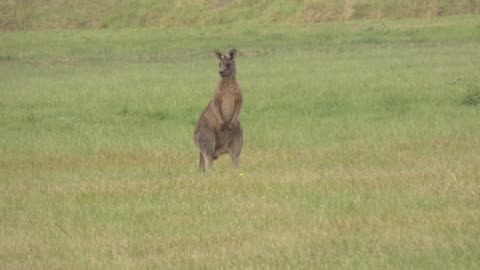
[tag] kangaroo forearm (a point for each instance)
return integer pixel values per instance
(235, 119)
(236, 112)
(218, 115)
(235, 115)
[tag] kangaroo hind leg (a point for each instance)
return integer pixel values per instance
(235, 148)
(206, 143)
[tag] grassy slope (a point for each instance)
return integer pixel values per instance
(60, 14)
(362, 148)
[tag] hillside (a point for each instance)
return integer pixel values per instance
(88, 14)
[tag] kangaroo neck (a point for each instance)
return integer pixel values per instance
(228, 84)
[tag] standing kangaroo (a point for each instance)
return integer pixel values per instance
(218, 130)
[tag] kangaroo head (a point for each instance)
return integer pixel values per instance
(227, 63)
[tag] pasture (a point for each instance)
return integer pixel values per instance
(362, 148)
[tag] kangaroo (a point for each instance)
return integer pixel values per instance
(218, 129)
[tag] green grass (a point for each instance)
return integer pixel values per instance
(87, 14)
(362, 148)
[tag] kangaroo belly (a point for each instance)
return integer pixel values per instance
(227, 107)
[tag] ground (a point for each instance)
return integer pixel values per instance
(362, 148)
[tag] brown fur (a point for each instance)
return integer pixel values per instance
(218, 130)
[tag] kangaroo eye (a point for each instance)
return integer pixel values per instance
(228, 65)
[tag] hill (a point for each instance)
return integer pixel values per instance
(88, 14)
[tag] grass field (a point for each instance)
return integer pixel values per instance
(362, 148)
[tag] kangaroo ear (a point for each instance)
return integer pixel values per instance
(233, 53)
(219, 54)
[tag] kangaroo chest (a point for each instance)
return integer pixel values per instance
(227, 106)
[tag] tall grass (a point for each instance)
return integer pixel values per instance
(361, 148)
